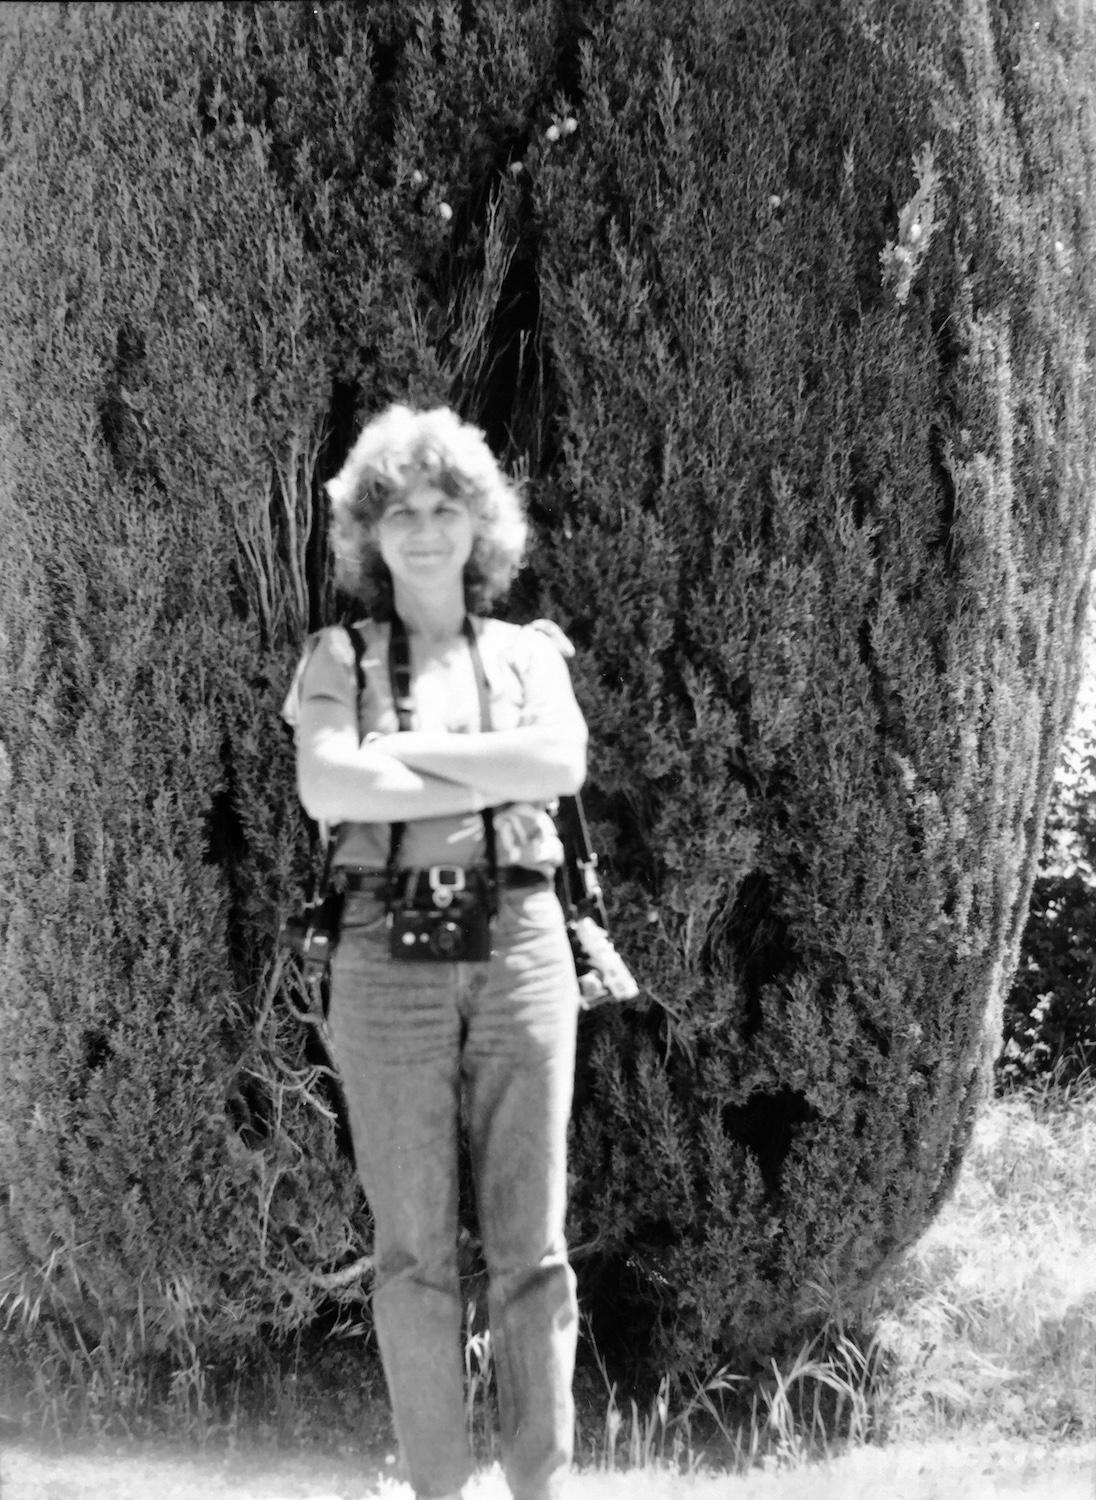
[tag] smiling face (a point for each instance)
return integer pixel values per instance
(425, 538)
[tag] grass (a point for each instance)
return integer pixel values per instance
(986, 1329)
(990, 1322)
(986, 1332)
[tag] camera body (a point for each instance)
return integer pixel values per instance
(439, 936)
(455, 927)
(602, 973)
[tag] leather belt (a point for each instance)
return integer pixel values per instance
(415, 885)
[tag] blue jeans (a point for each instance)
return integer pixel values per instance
(412, 1042)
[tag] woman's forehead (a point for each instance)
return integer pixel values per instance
(423, 490)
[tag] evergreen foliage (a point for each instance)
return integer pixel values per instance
(214, 251)
(794, 335)
(1050, 1012)
(818, 288)
(150, 394)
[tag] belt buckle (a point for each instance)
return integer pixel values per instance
(445, 882)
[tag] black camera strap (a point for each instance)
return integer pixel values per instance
(357, 642)
(399, 675)
(578, 884)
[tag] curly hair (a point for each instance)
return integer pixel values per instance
(398, 449)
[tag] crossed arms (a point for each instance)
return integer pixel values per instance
(433, 774)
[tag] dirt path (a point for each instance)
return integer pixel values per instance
(937, 1471)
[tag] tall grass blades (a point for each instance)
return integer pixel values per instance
(991, 1320)
(479, 1382)
(986, 1329)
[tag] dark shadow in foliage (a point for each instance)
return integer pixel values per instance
(1050, 1013)
(620, 1313)
(522, 385)
(120, 420)
(339, 436)
(950, 356)
(753, 934)
(766, 1125)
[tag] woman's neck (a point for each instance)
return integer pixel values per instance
(432, 619)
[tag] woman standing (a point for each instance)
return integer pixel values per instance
(453, 988)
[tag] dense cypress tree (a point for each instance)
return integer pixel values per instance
(222, 234)
(818, 288)
(150, 390)
(790, 313)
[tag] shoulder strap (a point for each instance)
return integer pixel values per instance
(357, 641)
(399, 677)
(578, 885)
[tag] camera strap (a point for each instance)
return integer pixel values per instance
(578, 884)
(399, 675)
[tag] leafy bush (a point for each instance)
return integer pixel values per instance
(1050, 1015)
(787, 313)
(1050, 1012)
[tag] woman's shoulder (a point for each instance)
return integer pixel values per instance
(540, 639)
(344, 645)
(325, 667)
(535, 658)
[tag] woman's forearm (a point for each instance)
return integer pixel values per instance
(507, 765)
(339, 781)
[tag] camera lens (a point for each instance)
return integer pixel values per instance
(447, 940)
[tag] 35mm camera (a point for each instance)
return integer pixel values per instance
(455, 927)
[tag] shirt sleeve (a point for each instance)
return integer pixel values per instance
(325, 671)
(548, 697)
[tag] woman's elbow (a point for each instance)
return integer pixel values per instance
(316, 794)
(572, 771)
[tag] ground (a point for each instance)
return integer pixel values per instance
(954, 1470)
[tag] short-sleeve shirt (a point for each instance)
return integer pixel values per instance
(527, 684)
